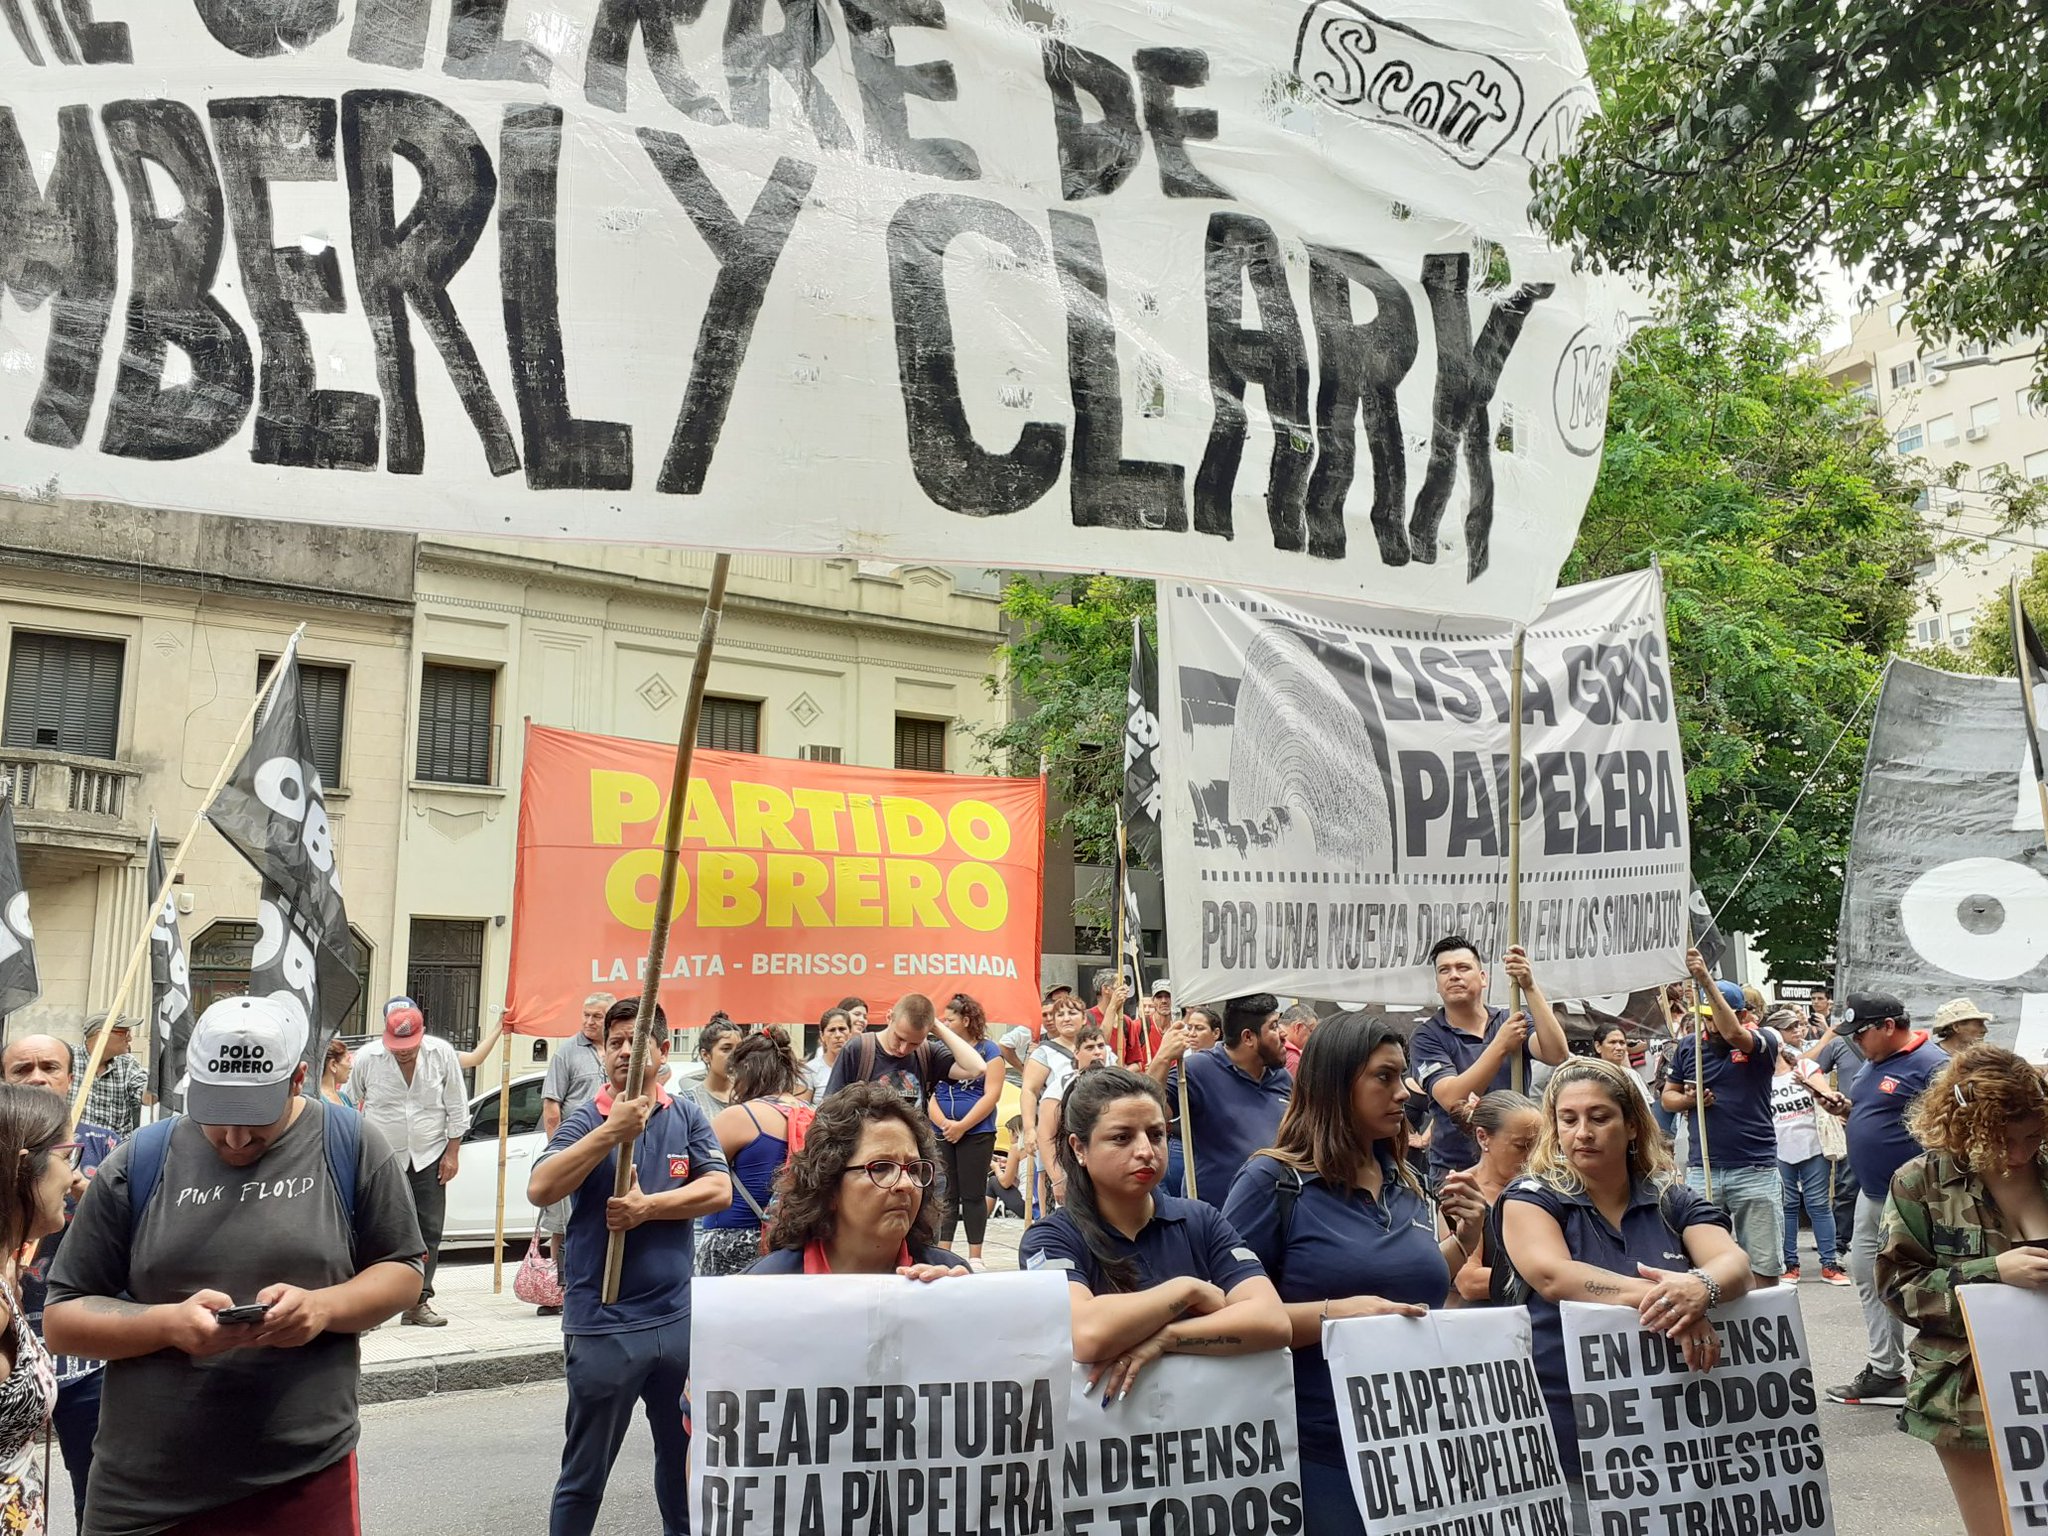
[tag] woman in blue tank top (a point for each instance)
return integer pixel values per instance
(754, 1131)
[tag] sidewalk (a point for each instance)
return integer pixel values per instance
(499, 1341)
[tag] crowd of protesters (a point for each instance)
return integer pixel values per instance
(1217, 1180)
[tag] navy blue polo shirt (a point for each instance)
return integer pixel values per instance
(1879, 1143)
(1340, 1242)
(1651, 1233)
(1184, 1237)
(654, 1280)
(1235, 1115)
(1740, 1130)
(1438, 1050)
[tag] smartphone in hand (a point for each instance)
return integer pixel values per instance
(255, 1312)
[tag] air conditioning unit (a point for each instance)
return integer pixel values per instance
(1977, 434)
(817, 754)
(1936, 376)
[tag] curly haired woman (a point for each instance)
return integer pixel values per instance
(1959, 1215)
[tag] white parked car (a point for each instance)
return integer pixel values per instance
(473, 1192)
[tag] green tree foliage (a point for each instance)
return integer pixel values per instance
(1067, 666)
(1988, 651)
(1906, 140)
(1789, 545)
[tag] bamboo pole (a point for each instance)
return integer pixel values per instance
(1519, 1068)
(657, 938)
(140, 951)
(1699, 1068)
(504, 1156)
(2027, 680)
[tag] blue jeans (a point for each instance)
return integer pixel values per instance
(1176, 1167)
(1807, 1184)
(1754, 1198)
(608, 1374)
(76, 1421)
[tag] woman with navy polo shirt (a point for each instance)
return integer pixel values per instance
(1597, 1219)
(1339, 1221)
(1148, 1274)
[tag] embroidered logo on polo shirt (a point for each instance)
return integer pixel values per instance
(679, 1167)
(1245, 1254)
(1046, 1261)
(1889, 1085)
(1738, 1057)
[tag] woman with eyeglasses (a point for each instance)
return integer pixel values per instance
(31, 1132)
(1970, 1210)
(857, 1200)
(1147, 1274)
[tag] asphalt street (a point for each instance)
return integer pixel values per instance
(483, 1463)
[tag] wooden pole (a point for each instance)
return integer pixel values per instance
(140, 952)
(504, 1155)
(657, 938)
(1519, 1069)
(2026, 670)
(1187, 1137)
(1699, 1069)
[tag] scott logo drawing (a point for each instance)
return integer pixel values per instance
(1467, 104)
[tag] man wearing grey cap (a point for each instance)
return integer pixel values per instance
(223, 1262)
(114, 1098)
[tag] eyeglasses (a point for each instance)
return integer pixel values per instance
(73, 1153)
(885, 1173)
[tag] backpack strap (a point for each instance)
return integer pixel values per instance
(342, 1130)
(924, 1066)
(148, 1148)
(1286, 1190)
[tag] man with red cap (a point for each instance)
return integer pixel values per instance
(409, 1085)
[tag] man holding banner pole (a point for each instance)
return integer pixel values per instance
(1466, 1049)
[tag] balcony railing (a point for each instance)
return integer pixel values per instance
(67, 803)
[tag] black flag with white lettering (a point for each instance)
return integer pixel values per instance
(20, 983)
(1706, 935)
(1143, 778)
(275, 813)
(2032, 657)
(170, 985)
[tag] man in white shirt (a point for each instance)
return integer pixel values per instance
(409, 1085)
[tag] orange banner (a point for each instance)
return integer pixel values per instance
(800, 884)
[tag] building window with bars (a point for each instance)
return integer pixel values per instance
(730, 725)
(323, 700)
(457, 732)
(920, 744)
(63, 694)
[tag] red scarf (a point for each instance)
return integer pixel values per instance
(815, 1262)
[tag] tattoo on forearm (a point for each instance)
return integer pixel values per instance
(1601, 1288)
(1214, 1341)
(112, 1306)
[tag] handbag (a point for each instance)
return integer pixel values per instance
(1834, 1135)
(538, 1282)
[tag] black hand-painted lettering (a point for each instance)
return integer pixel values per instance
(563, 451)
(61, 242)
(957, 472)
(289, 138)
(1108, 490)
(1165, 70)
(1362, 367)
(478, 48)
(261, 29)
(53, 28)
(24, 39)
(657, 22)
(752, 55)
(1095, 157)
(1466, 377)
(412, 261)
(99, 42)
(390, 32)
(747, 255)
(170, 298)
(1271, 356)
(884, 85)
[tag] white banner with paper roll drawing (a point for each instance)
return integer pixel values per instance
(1210, 289)
(1197, 1445)
(1664, 1448)
(1946, 892)
(1336, 793)
(2008, 1330)
(1444, 1426)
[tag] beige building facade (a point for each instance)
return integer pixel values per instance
(1966, 407)
(135, 642)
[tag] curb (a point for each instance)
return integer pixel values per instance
(398, 1381)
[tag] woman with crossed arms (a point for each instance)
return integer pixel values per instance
(1598, 1219)
(1147, 1274)
(1359, 1239)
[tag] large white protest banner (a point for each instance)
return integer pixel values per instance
(1669, 1451)
(2007, 1328)
(1103, 284)
(1198, 1445)
(1336, 793)
(836, 1403)
(1444, 1425)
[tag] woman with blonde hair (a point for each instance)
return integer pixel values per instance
(1963, 1213)
(1597, 1218)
